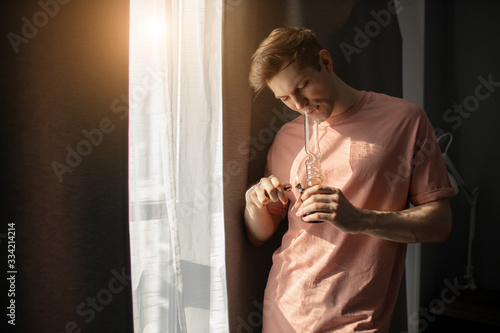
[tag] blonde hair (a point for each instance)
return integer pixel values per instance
(282, 47)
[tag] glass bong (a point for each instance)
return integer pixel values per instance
(313, 166)
(311, 134)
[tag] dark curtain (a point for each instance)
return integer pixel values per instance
(365, 42)
(461, 53)
(64, 87)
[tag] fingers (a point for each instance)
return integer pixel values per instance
(319, 203)
(314, 207)
(269, 189)
(328, 204)
(318, 189)
(317, 217)
(278, 190)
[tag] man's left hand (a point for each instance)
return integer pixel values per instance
(328, 204)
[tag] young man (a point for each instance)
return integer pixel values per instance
(379, 154)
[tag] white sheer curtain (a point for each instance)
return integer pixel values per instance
(175, 166)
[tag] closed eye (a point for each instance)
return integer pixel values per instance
(304, 85)
(285, 98)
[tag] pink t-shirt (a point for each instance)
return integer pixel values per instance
(382, 153)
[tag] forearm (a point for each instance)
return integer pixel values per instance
(430, 222)
(259, 223)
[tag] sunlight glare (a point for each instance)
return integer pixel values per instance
(155, 28)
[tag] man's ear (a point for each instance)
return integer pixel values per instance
(325, 60)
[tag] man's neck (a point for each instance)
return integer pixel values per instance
(346, 98)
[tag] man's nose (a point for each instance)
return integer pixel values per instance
(299, 101)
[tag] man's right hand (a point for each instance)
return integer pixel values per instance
(268, 189)
(260, 223)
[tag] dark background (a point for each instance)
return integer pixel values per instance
(71, 235)
(461, 45)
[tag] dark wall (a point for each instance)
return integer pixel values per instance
(461, 48)
(64, 74)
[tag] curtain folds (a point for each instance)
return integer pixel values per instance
(175, 166)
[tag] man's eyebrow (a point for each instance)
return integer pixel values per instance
(304, 78)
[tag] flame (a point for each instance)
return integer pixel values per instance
(296, 180)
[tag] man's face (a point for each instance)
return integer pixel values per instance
(305, 90)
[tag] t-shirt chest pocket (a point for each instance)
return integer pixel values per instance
(366, 159)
